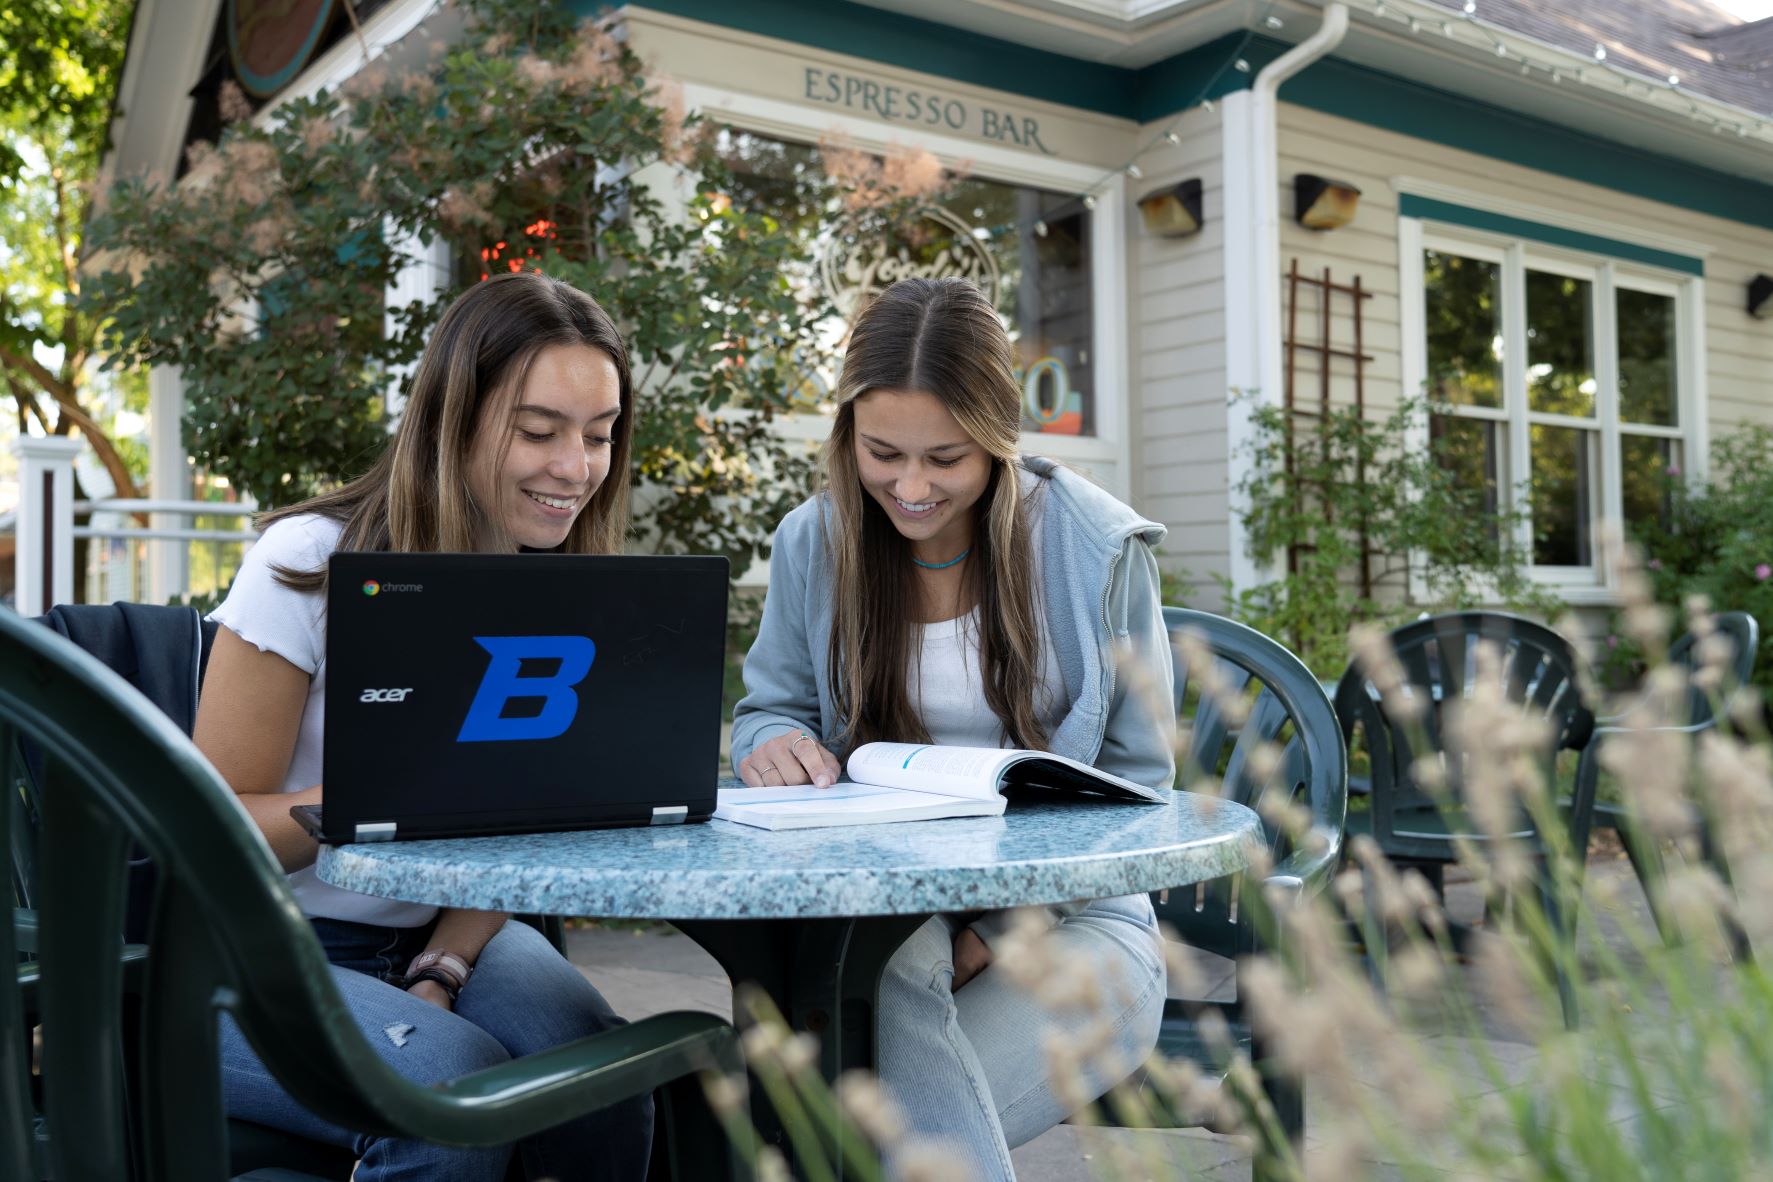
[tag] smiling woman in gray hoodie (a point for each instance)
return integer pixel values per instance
(945, 589)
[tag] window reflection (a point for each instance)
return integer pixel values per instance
(1647, 467)
(1037, 244)
(1560, 345)
(1471, 451)
(1563, 495)
(1647, 358)
(1464, 329)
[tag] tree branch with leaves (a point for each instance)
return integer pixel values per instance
(535, 141)
(59, 62)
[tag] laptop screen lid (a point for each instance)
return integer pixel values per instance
(472, 693)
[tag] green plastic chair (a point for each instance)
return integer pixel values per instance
(1289, 709)
(159, 635)
(1411, 825)
(1744, 634)
(227, 934)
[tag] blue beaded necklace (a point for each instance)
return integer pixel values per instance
(941, 565)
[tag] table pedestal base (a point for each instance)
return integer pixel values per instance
(824, 976)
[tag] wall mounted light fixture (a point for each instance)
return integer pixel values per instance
(1173, 212)
(1760, 297)
(1323, 204)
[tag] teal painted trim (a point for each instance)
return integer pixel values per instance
(1411, 206)
(915, 44)
(1205, 72)
(1332, 86)
(1386, 101)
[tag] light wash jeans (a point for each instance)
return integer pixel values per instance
(522, 997)
(969, 1068)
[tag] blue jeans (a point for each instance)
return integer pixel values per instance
(969, 1068)
(522, 997)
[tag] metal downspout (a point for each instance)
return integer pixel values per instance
(1265, 104)
(1253, 272)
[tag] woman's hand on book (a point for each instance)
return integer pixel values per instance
(793, 758)
(971, 956)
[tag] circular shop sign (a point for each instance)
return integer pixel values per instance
(855, 270)
(269, 41)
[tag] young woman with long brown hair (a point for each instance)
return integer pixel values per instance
(515, 434)
(945, 589)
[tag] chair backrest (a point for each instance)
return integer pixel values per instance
(226, 933)
(1287, 708)
(1438, 656)
(1744, 634)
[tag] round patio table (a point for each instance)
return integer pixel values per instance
(812, 915)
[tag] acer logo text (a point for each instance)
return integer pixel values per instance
(385, 695)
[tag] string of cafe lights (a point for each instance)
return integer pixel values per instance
(1462, 27)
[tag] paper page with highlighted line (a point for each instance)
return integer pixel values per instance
(970, 772)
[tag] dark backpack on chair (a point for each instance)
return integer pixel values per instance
(161, 651)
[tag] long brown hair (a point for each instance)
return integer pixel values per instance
(415, 498)
(942, 337)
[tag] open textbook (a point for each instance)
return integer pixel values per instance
(909, 782)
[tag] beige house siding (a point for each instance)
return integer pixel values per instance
(1366, 249)
(1177, 298)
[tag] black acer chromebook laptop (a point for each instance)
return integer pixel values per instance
(470, 694)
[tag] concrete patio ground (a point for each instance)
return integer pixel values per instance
(648, 970)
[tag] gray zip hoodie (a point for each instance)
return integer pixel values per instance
(1098, 584)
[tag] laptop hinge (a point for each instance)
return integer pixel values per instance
(671, 814)
(380, 831)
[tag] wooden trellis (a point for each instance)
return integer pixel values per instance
(1325, 351)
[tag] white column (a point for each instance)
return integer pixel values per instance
(45, 561)
(169, 479)
(422, 278)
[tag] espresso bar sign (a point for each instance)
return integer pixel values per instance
(922, 108)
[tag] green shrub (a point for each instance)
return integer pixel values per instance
(1715, 540)
(1367, 527)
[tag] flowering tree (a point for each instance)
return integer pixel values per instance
(522, 145)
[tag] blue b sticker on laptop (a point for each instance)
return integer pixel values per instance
(504, 682)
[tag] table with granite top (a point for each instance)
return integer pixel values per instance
(812, 915)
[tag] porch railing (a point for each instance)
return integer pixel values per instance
(126, 559)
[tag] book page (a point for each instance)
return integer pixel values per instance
(949, 771)
(802, 806)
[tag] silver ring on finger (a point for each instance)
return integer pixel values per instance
(803, 738)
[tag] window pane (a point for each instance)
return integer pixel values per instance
(1030, 247)
(1560, 345)
(1464, 329)
(1563, 495)
(1646, 467)
(1472, 450)
(1647, 358)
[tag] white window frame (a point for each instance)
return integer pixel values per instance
(1593, 584)
(1109, 452)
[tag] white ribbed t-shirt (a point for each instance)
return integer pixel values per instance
(944, 680)
(279, 619)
